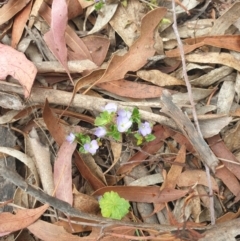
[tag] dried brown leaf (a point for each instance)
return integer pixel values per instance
(14, 63)
(22, 219)
(10, 9)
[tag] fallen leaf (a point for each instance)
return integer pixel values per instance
(134, 59)
(19, 23)
(86, 173)
(55, 38)
(14, 63)
(193, 177)
(106, 13)
(22, 219)
(149, 194)
(221, 151)
(232, 138)
(131, 89)
(24, 159)
(74, 9)
(50, 232)
(126, 21)
(175, 170)
(228, 179)
(230, 42)
(55, 128)
(159, 78)
(85, 203)
(73, 41)
(10, 9)
(98, 47)
(214, 58)
(225, 97)
(34, 12)
(63, 172)
(41, 156)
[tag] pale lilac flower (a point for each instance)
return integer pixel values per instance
(123, 123)
(70, 138)
(91, 147)
(100, 131)
(124, 113)
(145, 128)
(110, 107)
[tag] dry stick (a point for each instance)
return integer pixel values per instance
(180, 45)
(58, 97)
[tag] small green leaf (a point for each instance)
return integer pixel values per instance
(98, 6)
(139, 138)
(113, 206)
(165, 21)
(83, 139)
(114, 133)
(82, 150)
(124, 3)
(136, 115)
(150, 137)
(103, 119)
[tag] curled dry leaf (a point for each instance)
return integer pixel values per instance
(107, 12)
(24, 159)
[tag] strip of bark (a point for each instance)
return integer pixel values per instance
(188, 129)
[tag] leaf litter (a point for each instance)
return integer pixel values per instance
(125, 53)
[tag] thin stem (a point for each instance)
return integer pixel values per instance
(189, 89)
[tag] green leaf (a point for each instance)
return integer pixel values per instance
(136, 115)
(99, 5)
(113, 206)
(139, 138)
(103, 119)
(150, 137)
(83, 139)
(114, 133)
(124, 3)
(82, 150)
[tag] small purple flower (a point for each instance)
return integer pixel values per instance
(123, 123)
(100, 131)
(110, 107)
(145, 128)
(91, 147)
(124, 113)
(70, 138)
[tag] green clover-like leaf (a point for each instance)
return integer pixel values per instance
(113, 206)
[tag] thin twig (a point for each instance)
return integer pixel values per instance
(189, 89)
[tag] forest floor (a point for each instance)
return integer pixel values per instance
(119, 120)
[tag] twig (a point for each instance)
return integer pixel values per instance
(189, 89)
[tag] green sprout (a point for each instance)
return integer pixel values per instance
(113, 206)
